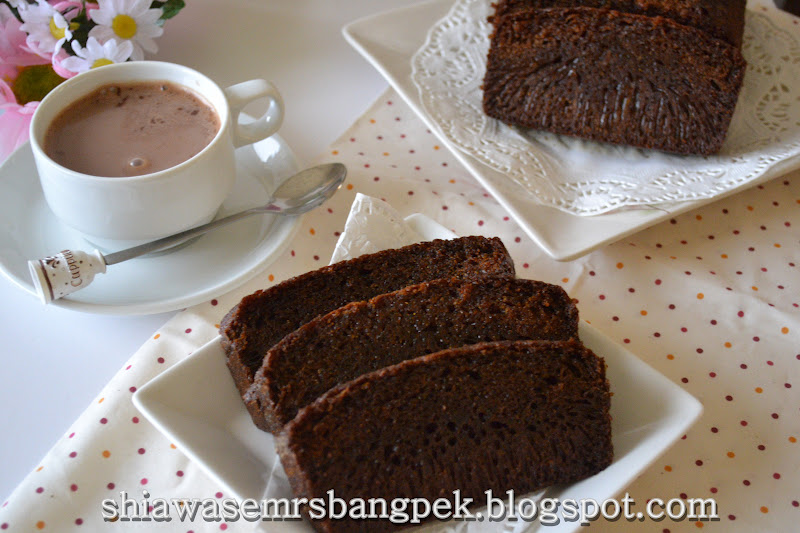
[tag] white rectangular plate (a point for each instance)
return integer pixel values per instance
(389, 40)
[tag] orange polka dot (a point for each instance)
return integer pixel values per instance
(312, 231)
(754, 288)
(764, 509)
(564, 280)
(668, 468)
(452, 181)
(349, 186)
(106, 454)
(731, 455)
(759, 390)
(672, 257)
(699, 217)
(784, 330)
(372, 121)
(670, 356)
(776, 245)
(157, 335)
(385, 154)
(173, 446)
(100, 400)
(470, 203)
(724, 256)
(750, 208)
(40, 524)
(620, 265)
(39, 469)
(436, 147)
(643, 312)
(271, 277)
(700, 295)
(792, 440)
(698, 524)
(727, 345)
(335, 152)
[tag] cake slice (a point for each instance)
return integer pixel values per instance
(501, 416)
(612, 76)
(261, 319)
(723, 20)
(366, 336)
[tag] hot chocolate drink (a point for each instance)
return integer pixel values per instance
(130, 129)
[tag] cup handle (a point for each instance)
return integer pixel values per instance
(239, 96)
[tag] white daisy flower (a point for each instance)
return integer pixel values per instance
(46, 27)
(128, 21)
(96, 54)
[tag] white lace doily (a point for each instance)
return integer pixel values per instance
(588, 178)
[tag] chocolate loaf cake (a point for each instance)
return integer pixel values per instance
(500, 416)
(721, 19)
(366, 336)
(261, 319)
(612, 76)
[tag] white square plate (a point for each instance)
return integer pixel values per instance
(389, 40)
(196, 405)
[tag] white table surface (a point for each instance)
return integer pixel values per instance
(55, 361)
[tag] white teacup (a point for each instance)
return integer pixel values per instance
(116, 212)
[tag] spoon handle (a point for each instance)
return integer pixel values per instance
(173, 240)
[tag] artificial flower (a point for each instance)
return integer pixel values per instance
(128, 20)
(35, 56)
(97, 55)
(24, 80)
(47, 28)
(14, 51)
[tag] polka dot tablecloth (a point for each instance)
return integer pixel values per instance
(711, 299)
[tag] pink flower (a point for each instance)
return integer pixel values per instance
(15, 121)
(15, 56)
(13, 49)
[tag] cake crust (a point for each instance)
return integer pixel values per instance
(721, 19)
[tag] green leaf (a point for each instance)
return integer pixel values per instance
(80, 34)
(34, 82)
(170, 7)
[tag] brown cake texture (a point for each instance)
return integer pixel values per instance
(263, 318)
(723, 19)
(365, 336)
(613, 76)
(520, 415)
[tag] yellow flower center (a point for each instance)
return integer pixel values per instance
(57, 32)
(101, 62)
(124, 26)
(60, 33)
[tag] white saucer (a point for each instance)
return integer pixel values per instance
(212, 265)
